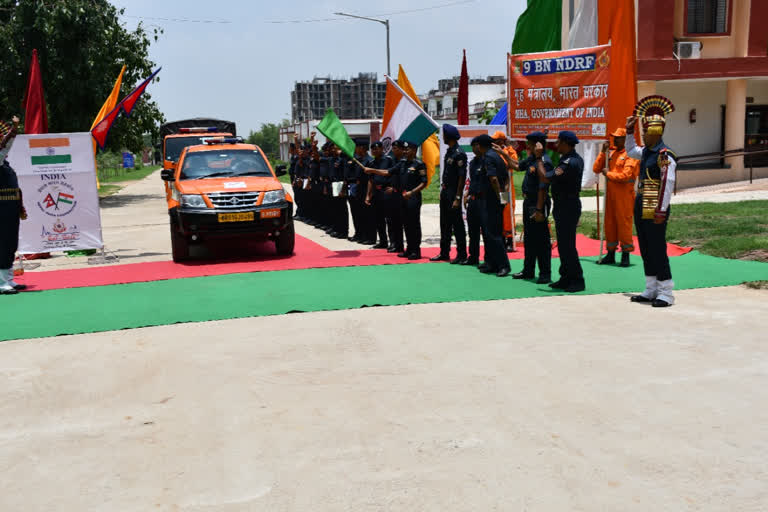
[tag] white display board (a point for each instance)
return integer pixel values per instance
(57, 177)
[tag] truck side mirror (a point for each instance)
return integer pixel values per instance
(280, 170)
(167, 175)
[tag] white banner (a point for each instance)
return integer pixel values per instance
(57, 177)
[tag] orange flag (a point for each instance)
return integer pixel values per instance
(108, 107)
(616, 23)
(430, 150)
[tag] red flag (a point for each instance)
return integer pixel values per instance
(463, 107)
(101, 130)
(35, 117)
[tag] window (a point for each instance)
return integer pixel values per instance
(707, 17)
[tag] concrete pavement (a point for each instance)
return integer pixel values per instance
(599, 404)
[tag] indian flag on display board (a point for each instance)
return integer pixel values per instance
(50, 151)
(404, 118)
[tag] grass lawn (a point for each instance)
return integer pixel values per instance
(737, 230)
(108, 178)
(118, 175)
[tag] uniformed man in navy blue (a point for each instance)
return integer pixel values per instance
(473, 204)
(452, 179)
(357, 187)
(316, 187)
(413, 179)
(338, 204)
(326, 209)
(536, 204)
(380, 191)
(565, 181)
(493, 176)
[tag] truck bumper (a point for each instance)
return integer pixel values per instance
(267, 222)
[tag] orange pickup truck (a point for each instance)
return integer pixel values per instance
(227, 188)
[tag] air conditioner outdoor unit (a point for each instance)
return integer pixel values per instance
(688, 49)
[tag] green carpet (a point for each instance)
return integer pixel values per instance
(108, 308)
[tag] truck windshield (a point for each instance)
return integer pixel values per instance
(175, 145)
(240, 162)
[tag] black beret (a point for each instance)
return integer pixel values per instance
(377, 144)
(397, 144)
(484, 140)
(361, 142)
(537, 137)
(409, 144)
(568, 137)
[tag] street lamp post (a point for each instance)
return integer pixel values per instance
(383, 22)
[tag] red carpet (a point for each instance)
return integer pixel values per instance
(308, 254)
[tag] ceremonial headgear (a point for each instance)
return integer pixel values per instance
(653, 110)
(568, 137)
(451, 132)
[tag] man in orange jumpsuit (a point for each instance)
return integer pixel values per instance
(619, 197)
(500, 139)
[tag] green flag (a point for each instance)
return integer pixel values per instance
(335, 132)
(539, 27)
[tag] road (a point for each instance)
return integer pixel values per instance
(586, 403)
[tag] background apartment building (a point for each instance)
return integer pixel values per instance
(442, 103)
(360, 97)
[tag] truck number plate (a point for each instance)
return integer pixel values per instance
(236, 217)
(270, 214)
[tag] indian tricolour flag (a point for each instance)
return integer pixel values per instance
(404, 118)
(50, 151)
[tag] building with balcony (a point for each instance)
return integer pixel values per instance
(710, 57)
(442, 103)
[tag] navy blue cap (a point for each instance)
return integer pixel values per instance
(397, 144)
(377, 144)
(451, 132)
(361, 142)
(484, 140)
(537, 137)
(568, 137)
(409, 144)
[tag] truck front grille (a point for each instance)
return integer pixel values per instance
(233, 200)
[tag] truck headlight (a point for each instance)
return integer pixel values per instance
(274, 196)
(192, 201)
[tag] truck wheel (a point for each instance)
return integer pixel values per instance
(286, 241)
(179, 245)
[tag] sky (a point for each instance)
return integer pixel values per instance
(239, 66)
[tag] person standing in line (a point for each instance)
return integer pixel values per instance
(658, 166)
(537, 244)
(452, 179)
(494, 185)
(619, 197)
(566, 191)
(413, 179)
(377, 197)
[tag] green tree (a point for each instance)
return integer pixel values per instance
(81, 46)
(268, 138)
(489, 112)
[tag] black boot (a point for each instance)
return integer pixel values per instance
(608, 259)
(624, 259)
